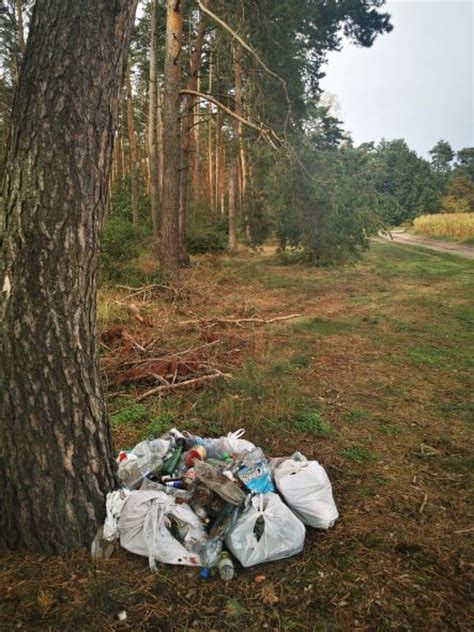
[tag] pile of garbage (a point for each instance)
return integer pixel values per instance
(184, 497)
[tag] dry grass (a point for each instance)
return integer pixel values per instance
(374, 380)
(460, 225)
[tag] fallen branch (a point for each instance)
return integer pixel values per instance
(192, 382)
(423, 504)
(136, 291)
(238, 321)
(174, 356)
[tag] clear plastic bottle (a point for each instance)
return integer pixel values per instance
(210, 552)
(226, 567)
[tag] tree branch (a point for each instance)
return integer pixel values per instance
(252, 52)
(269, 134)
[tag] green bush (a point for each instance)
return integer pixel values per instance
(121, 244)
(206, 239)
(206, 232)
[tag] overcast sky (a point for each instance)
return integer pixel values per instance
(415, 82)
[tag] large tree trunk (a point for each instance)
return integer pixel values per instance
(210, 161)
(55, 453)
(132, 147)
(153, 125)
(169, 247)
(232, 213)
(189, 146)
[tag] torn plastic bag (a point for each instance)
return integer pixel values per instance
(267, 531)
(219, 483)
(307, 490)
(145, 459)
(153, 525)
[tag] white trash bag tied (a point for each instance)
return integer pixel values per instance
(144, 529)
(306, 488)
(281, 532)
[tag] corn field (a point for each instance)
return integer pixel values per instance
(446, 225)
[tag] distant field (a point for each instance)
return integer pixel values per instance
(459, 225)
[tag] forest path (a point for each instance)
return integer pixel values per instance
(450, 247)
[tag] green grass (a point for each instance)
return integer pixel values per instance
(312, 421)
(320, 326)
(130, 413)
(358, 454)
(356, 415)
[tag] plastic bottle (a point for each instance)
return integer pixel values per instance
(210, 552)
(171, 462)
(226, 567)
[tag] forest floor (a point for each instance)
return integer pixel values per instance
(374, 379)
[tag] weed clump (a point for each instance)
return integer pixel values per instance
(313, 422)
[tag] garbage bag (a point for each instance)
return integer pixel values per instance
(113, 506)
(152, 524)
(267, 531)
(307, 490)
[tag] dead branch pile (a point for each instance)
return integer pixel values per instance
(130, 361)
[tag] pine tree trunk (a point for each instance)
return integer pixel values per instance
(153, 125)
(191, 103)
(55, 453)
(169, 247)
(19, 26)
(232, 213)
(196, 155)
(132, 146)
(217, 177)
(210, 160)
(188, 145)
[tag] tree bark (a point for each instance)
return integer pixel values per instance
(19, 26)
(169, 247)
(153, 126)
(55, 452)
(191, 103)
(161, 158)
(132, 146)
(210, 161)
(188, 145)
(232, 213)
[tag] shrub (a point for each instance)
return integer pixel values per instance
(206, 239)
(206, 232)
(121, 244)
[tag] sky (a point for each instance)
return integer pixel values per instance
(416, 82)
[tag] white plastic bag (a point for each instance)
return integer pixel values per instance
(234, 443)
(307, 490)
(114, 504)
(283, 533)
(143, 529)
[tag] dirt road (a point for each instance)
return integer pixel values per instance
(450, 247)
